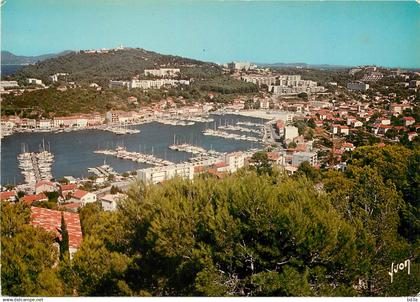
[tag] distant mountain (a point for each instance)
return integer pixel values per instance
(301, 65)
(100, 67)
(11, 59)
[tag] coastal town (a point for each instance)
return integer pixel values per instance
(301, 121)
(209, 149)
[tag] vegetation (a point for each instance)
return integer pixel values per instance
(102, 67)
(254, 233)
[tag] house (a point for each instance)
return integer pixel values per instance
(8, 196)
(83, 197)
(347, 147)
(397, 109)
(276, 158)
(34, 198)
(344, 130)
(383, 121)
(334, 128)
(300, 157)
(264, 104)
(45, 186)
(290, 132)
(50, 220)
(235, 161)
(221, 167)
(109, 201)
(412, 135)
(44, 124)
(67, 190)
(409, 120)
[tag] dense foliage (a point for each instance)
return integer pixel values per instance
(254, 233)
(102, 67)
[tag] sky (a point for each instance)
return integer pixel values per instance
(314, 32)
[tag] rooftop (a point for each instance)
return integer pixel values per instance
(50, 220)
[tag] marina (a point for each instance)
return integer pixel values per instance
(239, 128)
(122, 153)
(102, 171)
(119, 130)
(175, 122)
(35, 166)
(74, 150)
(227, 135)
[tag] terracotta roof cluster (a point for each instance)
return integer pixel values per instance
(69, 187)
(78, 194)
(33, 198)
(7, 194)
(44, 182)
(50, 220)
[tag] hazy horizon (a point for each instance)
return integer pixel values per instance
(316, 33)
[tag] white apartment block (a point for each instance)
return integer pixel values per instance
(239, 65)
(162, 72)
(290, 132)
(34, 81)
(260, 80)
(9, 84)
(357, 86)
(300, 157)
(55, 77)
(147, 84)
(159, 174)
(236, 161)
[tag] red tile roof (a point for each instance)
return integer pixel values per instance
(44, 182)
(78, 194)
(50, 220)
(69, 187)
(220, 165)
(7, 195)
(33, 198)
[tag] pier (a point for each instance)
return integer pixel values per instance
(227, 135)
(122, 153)
(36, 166)
(239, 128)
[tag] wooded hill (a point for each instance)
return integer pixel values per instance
(113, 65)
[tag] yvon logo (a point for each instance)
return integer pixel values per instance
(399, 267)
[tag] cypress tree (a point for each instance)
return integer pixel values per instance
(64, 243)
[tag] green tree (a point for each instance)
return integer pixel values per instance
(310, 172)
(261, 163)
(99, 272)
(28, 255)
(64, 242)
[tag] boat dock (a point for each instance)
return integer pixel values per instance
(239, 128)
(175, 122)
(102, 171)
(122, 153)
(36, 166)
(227, 135)
(119, 130)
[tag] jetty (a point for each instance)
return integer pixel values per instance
(227, 135)
(122, 153)
(35, 166)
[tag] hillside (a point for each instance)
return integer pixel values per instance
(123, 64)
(9, 58)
